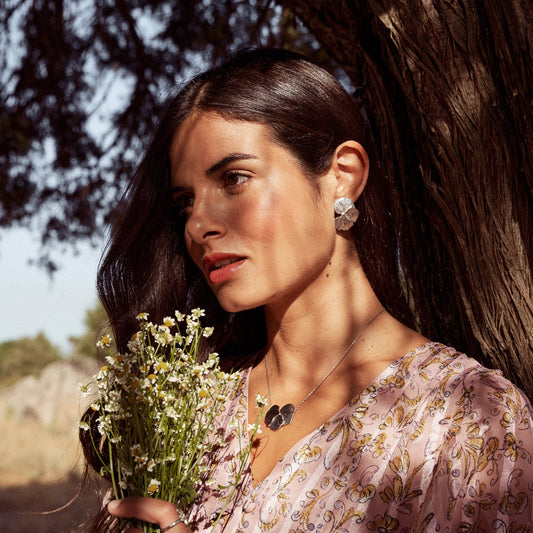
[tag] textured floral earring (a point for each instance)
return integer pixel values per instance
(347, 212)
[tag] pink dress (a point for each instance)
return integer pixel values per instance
(436, 443)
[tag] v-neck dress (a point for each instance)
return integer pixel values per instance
(436, 442)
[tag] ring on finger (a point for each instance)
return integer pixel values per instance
(179, 520)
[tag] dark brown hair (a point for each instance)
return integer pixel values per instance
(146, 266)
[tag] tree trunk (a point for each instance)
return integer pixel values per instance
(447, 86)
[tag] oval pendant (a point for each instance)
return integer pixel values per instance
(271, 414)
(276, 418)
(287, 412)
(276, 423)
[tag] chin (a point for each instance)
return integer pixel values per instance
(235, 305)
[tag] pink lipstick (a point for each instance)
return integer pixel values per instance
(220, 266)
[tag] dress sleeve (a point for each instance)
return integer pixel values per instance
(483, 479)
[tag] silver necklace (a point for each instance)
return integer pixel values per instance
(275, 417)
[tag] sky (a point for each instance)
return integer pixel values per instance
(31, 301)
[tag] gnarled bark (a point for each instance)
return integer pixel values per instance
(447, 85)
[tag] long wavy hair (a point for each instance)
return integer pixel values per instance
(146, 266)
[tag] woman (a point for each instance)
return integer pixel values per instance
(244, 205)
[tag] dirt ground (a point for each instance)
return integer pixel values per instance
(41, 471)
(22, 507)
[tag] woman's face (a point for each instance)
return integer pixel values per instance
(255, 225)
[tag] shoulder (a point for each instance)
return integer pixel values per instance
(477, 412)
(447, 385)
(483, 458)
(442, 370)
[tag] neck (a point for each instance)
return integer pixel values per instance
(308, 333)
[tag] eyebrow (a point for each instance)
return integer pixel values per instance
(230, 158)
(227, 160)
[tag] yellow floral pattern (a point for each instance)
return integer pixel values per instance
(436, 443)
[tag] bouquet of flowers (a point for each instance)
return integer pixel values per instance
(155, 411)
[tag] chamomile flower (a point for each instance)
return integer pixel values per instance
(197, 370)
(157, 403)
(104, 342)
(260, 401)
(161, 366)
(207, 332)
(153, 486)
(197, 313)
(136, 450)
(164, 337)
(169, 322)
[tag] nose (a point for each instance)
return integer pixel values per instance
(205, 221)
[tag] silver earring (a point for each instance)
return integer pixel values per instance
(347, 212)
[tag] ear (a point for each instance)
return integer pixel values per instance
(350, 167)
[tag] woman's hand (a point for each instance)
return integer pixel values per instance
(149, 510)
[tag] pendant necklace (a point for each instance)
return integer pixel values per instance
(275, 417)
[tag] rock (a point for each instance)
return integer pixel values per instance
(52, 399)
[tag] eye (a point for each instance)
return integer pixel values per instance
(234, 178)
(183, 203)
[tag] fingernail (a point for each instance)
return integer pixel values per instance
(113, 505)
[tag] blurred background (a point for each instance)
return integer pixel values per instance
(82, 83)
(44, 322)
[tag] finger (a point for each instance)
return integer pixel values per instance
(151, 510)
(173, 529)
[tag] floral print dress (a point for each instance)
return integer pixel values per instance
(436, 443)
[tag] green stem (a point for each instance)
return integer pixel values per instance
(243, 457)
(112, 470)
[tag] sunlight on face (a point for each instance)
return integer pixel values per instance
(255, 224)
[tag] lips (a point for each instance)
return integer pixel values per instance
(220, 266)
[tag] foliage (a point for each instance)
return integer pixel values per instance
(25, 356)
(96, 324)
(82, 83)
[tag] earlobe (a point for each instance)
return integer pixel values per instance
(350, 165)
